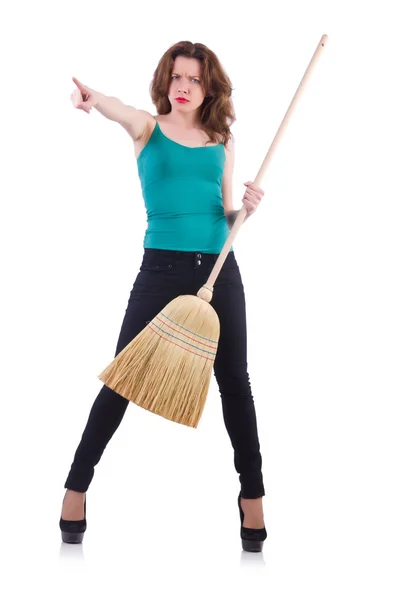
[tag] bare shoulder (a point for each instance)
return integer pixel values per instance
(229, 146)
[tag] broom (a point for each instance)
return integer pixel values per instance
(167, 367)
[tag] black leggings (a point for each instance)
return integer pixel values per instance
(164, 275)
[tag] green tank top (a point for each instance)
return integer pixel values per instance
(182, 191)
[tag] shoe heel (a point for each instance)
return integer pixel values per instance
(251, 546)
(72, 538)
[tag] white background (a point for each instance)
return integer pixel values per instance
(318, 261)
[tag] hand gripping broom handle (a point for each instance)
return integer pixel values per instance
(243, 211)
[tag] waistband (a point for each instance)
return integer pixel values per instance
(158, 256)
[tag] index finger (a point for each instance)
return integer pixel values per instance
(79, 84)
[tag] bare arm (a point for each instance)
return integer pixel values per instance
(132, 119)
(227, 185)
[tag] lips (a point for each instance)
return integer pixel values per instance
(181, 100)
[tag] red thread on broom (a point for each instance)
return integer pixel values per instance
(188, 336)
(186, 349)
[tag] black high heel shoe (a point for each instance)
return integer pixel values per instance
(73, 531)
(252, 539)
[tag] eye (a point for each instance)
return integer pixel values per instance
(194, 78)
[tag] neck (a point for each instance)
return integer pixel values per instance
(184, 121)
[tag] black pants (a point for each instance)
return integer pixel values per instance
(164, 275)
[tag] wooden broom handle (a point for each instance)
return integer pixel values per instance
(243, 211)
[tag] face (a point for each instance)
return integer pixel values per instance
(186, 83)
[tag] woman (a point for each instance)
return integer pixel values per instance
(185, 160)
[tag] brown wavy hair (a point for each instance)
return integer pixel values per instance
(217, 111)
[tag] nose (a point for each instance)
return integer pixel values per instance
(183, 87)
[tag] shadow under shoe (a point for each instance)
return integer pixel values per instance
(73, 531)
(252, 539)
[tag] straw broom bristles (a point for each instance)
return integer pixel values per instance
(167, 367)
